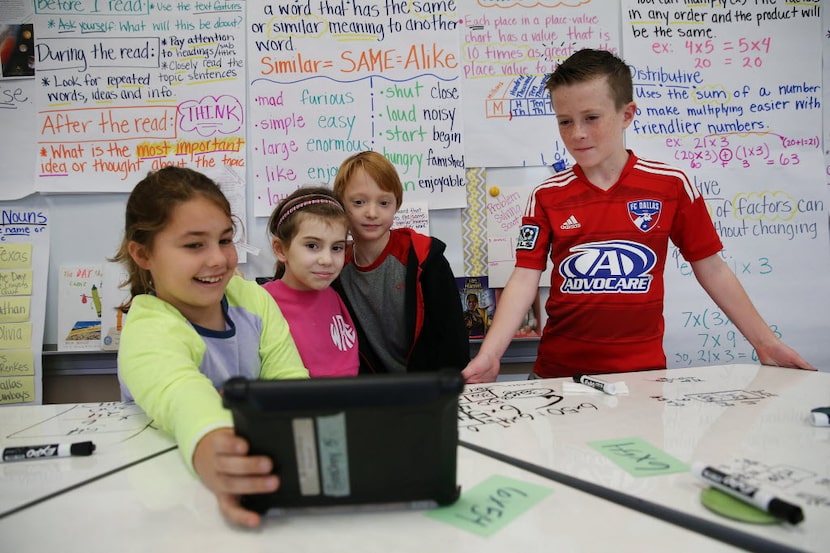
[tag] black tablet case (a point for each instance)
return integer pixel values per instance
(374, 438)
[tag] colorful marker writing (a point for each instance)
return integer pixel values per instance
(593, 382)
(24, 453)
(748, 493)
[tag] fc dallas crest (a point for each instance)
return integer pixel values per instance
(645, 213)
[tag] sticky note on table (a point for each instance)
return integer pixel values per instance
(638, 457)
(491, 505)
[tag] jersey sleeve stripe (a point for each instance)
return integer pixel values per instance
(557, 180)
(658, 168)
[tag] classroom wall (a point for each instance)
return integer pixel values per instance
(507, 129)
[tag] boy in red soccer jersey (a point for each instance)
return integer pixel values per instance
(606, 223)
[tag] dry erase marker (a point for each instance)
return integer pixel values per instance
(821, 416)
(601, 385)
(24, 453)
(748, 493)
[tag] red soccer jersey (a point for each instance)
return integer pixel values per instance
(609, 247)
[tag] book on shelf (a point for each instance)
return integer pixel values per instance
(79, 307)
(478, 301)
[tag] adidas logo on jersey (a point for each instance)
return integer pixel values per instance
(571, 223)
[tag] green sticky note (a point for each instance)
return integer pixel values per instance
(638, 457)
(491, 505)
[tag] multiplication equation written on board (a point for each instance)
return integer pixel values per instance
(503, 407)
(809, 487)
(725, 398)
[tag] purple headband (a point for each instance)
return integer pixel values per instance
(305, 203)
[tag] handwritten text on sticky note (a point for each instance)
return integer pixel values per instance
(17, 362)
(491, 505)
(15, 255)
(15, 335)
(17, 389)
(638, 457)
(15, 309)
(16, 282)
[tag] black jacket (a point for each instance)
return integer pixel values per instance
(433, 311)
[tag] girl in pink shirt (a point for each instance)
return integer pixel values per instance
(308, 235)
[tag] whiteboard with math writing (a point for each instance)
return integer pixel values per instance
(267, 96)
(749, 420)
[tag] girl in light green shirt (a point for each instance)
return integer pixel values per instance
(192, 324)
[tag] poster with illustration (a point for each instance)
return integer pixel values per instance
(112, 298)
(80, 307)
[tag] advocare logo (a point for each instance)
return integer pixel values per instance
(611, 266)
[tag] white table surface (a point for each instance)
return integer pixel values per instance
(748, 419)
(157, 506)
(120, 432)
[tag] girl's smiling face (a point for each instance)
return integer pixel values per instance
(192, 260)
(315, 255)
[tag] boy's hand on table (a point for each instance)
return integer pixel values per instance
(482, 368)
(779, 354)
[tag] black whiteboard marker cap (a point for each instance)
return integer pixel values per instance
(789, 512)
(82, 449)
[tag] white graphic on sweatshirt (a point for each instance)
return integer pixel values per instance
(342, 334)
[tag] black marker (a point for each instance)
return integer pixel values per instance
(821, 416)
(24, 453)
(601, 385)
(749, 493)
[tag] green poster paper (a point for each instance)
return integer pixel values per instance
(491, 505)
(638, 457)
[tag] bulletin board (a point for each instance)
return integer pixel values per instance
(268, 96)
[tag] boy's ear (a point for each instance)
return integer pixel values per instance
(139, 254)
(279, 249)
(629, 111)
